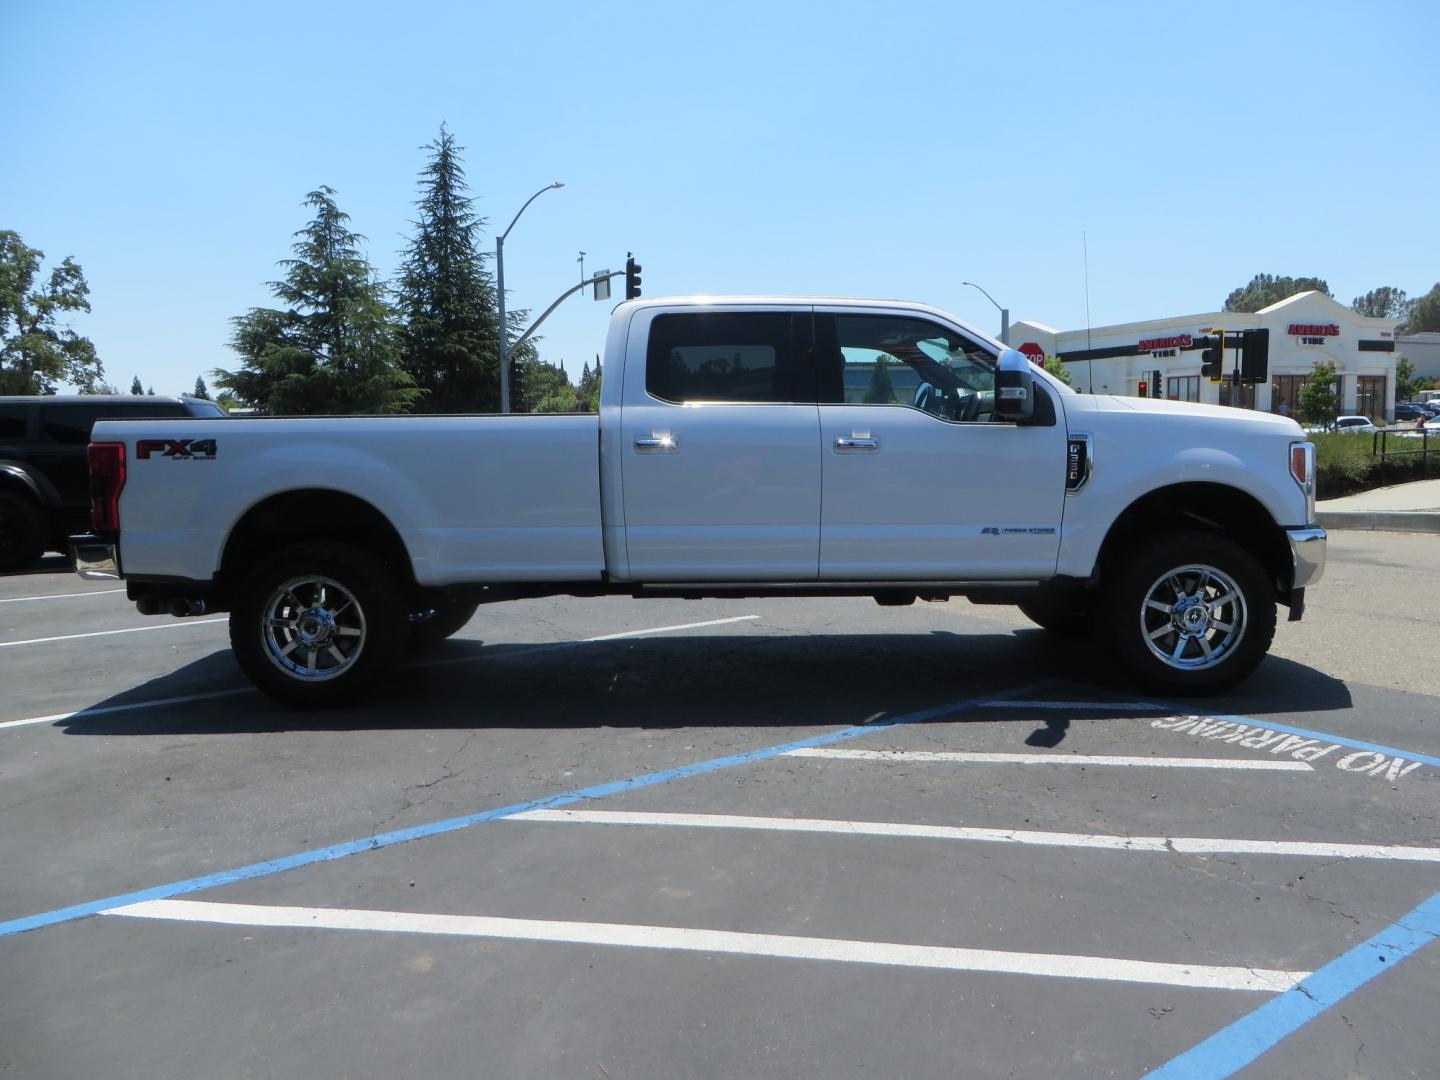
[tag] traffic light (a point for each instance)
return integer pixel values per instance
(1144, 388)
(632, 277)
(1212, 360)
(1155, 384)
(1254, 356)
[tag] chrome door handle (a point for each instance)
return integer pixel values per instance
(656, 444)
(856, 443)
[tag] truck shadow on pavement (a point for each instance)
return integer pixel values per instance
(758, 680)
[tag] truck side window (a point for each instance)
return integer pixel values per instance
(898, 360)
(13, 421)
(731, 356)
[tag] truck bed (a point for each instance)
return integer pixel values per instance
(475, 498)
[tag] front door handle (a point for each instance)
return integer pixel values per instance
(656, 444)
(856, 444)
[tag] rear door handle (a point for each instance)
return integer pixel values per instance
(656, 444)
(856, 444)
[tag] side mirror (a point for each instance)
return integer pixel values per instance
(1014, 387)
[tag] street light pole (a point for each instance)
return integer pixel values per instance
(1004, 314)
(500, 297)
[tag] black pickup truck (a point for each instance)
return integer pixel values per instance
(44, 478)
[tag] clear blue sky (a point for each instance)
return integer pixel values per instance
(890, 150)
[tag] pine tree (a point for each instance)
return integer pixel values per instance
(334, 348)
(136, 386)
(881, 390)
(201, 391)
(450, 341)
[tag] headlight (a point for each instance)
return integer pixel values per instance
(1302, 468)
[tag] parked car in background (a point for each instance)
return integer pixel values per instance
(44, 477)
(1411, 411)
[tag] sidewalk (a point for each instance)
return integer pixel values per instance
(1412, 507)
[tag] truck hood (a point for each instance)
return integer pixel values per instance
(1246, 419)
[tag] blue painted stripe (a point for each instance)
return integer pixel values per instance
(435, 828)
(1235, 1047)
(1291, 729)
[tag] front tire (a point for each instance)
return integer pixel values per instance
(1189, 612)
(318, 623)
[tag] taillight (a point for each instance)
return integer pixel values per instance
(107, 480)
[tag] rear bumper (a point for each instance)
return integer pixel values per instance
(96, 559)
(1307, 555)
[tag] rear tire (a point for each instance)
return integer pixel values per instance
(1189, 612)
(450, 614)
(22, 532)
(318, 623)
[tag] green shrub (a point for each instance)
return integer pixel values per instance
(1346, 463)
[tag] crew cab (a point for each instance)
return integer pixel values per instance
(765, 446)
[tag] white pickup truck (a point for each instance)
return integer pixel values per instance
(772, 446)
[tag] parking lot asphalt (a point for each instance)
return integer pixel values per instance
(614, 838)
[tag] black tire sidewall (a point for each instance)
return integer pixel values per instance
(1130, 578)
(451, 615)
(23, 523)
(365, 577)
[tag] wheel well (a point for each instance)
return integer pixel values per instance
(15, 482)
(312, 514)
(1221, 509)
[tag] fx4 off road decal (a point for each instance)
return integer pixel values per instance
(176, 449)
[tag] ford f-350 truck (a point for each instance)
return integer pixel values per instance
(744, 447)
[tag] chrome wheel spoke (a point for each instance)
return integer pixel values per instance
(1183, 594)
(305, 640)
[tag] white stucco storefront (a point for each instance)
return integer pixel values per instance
(1305, 329)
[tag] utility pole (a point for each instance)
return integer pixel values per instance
(505, 349)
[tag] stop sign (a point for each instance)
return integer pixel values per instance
(1034, 352)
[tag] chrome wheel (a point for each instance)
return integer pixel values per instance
(1193, 617)
(312, 628)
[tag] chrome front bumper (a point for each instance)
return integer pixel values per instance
(1307, 555)
(95, 559)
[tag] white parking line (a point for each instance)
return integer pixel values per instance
(965, 757)
(685, 939)
(178, 624)
(186, 699)
(60, 596)
(1180, 845)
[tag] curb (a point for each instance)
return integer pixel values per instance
(1411, 521)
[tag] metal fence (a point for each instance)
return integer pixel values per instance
(1409, 442)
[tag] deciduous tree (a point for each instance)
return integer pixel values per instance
(37, 349)
(1425, 313)
(1318, 406)
(1386, 302)
(333, 348)
(1266, 289)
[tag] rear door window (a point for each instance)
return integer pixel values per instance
(731, 356)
